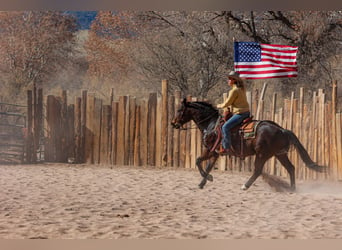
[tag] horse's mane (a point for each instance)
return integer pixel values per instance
(203, 105)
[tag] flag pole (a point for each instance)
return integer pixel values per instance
(234, 53)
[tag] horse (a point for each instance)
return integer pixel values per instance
(269, 140)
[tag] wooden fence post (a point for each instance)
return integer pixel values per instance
(137, 139)
(144, 132)
(321, 122)
(63, 150)
(151, 146)
(121, 153)
(291, 114)
(170, 131)
(47, 146)
(29, 142)
(83, 132)
(97, 119)
(164, 130)
(222, 161)
(273, 118)
(306, 134)
(259, 110)
(127, 130)
(176, 133)
(334, 136)
(249, 100)
(188, 140)
(89, 129)
(77, 130)
(339, 143)
(193, 141)
(38, 130)
(105, 139)
(132, 124)
(159, 135)
(54, 129)
(114, 132)
(34, 125)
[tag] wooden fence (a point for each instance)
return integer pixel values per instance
(127, 131)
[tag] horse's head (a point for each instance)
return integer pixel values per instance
(202, 113)
(182, 116)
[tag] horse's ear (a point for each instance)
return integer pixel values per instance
(184, 102)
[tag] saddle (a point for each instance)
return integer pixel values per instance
(246, 130)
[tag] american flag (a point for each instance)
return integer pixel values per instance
(253, 60)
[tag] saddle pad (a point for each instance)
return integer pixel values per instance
(248, 129)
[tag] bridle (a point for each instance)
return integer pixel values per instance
(198, 122)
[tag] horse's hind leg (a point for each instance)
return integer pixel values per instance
(284, 160)
(211, 163)
(258, 166)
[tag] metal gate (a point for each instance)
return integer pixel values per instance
(12, 133)
(22, 130)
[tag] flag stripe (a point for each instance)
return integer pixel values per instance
(257, 61)
(279, 46)
(261, 64)
(266, 71)
(260, 69)
(276, 50)
(285, 62)
(266, 65)
(277, 55)
(270, 63)
(267, 75)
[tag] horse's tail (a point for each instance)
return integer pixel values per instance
(303, 153)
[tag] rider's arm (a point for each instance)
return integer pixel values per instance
(230, 100)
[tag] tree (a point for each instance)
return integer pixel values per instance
(190, 49)
(205, 39)
(183, 47)
(110, 48)
(33, 46)
(194, 50)
(106, 45)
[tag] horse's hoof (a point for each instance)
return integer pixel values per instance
(210, 177)
(243, 187)
(202, 184)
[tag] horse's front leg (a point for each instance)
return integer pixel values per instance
(199, 160)
(212, 157)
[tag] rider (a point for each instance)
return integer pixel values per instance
(238, 100)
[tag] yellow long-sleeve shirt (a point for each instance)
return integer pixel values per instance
(237, 99)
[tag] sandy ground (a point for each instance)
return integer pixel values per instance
(61, 201)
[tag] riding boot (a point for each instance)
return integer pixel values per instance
(229, 151)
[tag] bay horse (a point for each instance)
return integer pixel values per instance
(269, 140)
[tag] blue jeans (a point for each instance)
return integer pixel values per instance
(232, 122)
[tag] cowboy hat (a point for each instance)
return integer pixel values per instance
(234, 75)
